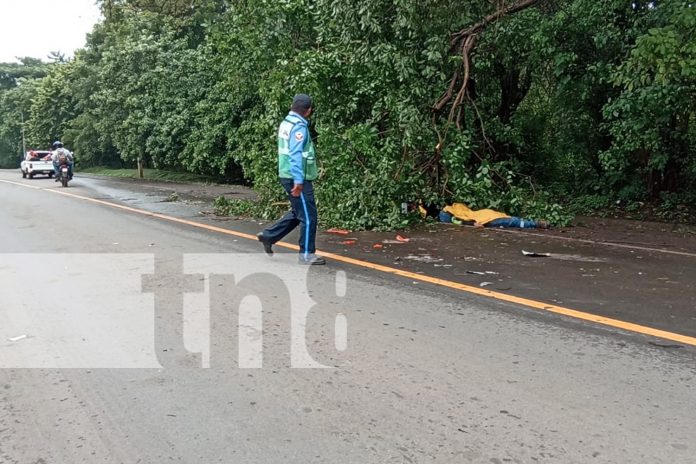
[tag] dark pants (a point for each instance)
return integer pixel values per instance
(512, 222)
(303, 213)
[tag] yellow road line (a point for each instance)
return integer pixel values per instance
(616, 323)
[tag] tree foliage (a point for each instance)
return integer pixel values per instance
(499, 104)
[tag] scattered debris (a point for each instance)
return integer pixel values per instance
(485, 284)
(476, 272)
(467, 258)
(443, 265)
(377, 245)
(402, 239)
(338, 231)
(424, 258)
(174, 196)
(533, 254)
(349, 242)
(17, 338)
(393, 242)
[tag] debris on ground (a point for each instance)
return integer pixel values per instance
(423, 258)
(17, 338)
(338, 231)
(377, 246)
(350, 241)
(174, 196)
(485, 284)
(402, 238)
(533, 254)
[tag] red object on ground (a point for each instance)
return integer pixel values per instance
(338, 231)
(403, 239)
(377, 245)
(349, 242)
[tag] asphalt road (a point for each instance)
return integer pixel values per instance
(126, 338)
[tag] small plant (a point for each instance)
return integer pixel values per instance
(174, 196)
(248, 208)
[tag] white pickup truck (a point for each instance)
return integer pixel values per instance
(37, 162)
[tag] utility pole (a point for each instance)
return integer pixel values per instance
(24, 144)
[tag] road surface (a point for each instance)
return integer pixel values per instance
(103, 369)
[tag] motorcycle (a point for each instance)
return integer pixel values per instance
(64, 174)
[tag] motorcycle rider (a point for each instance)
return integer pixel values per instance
(60, 156)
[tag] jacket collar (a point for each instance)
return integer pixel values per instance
(297, 115)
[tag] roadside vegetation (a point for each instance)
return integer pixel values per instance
(150, 174)
(540, 108)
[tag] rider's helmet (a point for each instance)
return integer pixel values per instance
(57, 144)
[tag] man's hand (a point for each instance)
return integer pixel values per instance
(296, 190)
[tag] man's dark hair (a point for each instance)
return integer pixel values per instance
(301, 103)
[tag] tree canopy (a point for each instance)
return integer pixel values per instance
(514, 104)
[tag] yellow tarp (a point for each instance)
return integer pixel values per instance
(482, 216)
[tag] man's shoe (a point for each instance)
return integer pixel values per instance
(312, 260)
(267, 245)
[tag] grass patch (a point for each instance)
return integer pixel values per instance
(249, 208)
(150, 174)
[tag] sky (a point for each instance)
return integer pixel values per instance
(37, 27)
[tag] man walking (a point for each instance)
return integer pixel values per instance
(297, 169)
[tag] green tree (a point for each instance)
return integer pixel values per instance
(18, 86)
(652, 120)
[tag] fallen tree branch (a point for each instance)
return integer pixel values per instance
(463, 43)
